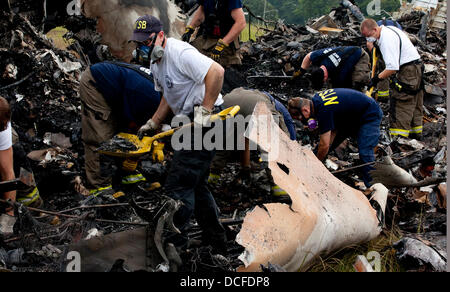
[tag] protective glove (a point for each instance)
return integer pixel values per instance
(299, 73)
(245, 176)
(148, 127)
(217, 52)
(188, 33)
(374, 81)
(202, 116)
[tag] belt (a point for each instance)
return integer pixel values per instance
(415, 62)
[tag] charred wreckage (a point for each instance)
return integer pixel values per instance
(329, 207)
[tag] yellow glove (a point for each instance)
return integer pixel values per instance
(188, 33)
(298, 73)
(217, 52)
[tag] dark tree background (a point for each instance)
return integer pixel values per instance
(299, 11)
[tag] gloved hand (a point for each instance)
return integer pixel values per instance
(299, 73)
(188, 33)
(374, 81)
(245, 175)
(148, 127)
(217, 52)
(202, 116)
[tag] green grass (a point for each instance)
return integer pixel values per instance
(56, 35)
(255, 32)
(343, 260)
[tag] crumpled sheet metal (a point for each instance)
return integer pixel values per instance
(326, 214)
(116, 18)
(391, 175)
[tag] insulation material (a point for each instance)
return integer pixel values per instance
(116, 18)
(325, 214)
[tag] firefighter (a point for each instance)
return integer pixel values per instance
(345, 67)
(115, 97)
(190, 84)
(405, 69)
(221, 22)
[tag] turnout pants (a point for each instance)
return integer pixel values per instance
(230, 55)
(98, 125)
(383, 85)
(361, 72)
(406, 109)
(187, 181)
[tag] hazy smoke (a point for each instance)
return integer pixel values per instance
(116, 18)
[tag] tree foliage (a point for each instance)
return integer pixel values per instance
(299, 11)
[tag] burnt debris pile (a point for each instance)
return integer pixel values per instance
(269, 63)
(40, 77)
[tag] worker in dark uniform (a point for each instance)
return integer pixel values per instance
(115, 97)
(404, 69)
(221, 22)
(247, 99)
(339, 114)
(346, 67)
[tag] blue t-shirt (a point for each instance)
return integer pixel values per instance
(286, 116)
(389, 22)
(127, 91)
(339, 64)
(344, 110)
(223, 13)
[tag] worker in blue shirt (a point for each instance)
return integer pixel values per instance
(346, 67)
(339, 114)
(389, 22)
(115, 97)
(220, 24)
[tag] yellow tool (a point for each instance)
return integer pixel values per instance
(374, 68)
(158, 153)
(145, 145)
(130, 165)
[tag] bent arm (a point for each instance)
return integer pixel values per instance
(213, 85)
(238, 26)
(324, 145)
(199, 17)
(162, 111)
(307, 62)
(386, 74)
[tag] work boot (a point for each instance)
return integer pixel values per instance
(279, 195)
(30, 199)
(133, 178)
(218, 242)
(213, 179)
(245, 176)
(97, 195)
(418, 137)
(7, 224)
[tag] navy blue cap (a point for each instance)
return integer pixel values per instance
(145, 26)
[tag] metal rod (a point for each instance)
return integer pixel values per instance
(76, 217)
(102, 206)
(354, 167)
